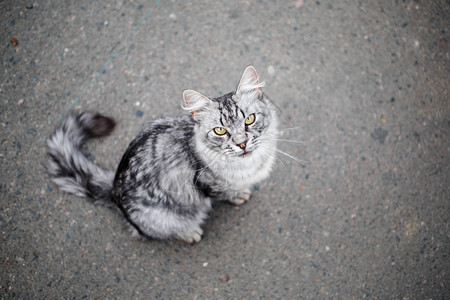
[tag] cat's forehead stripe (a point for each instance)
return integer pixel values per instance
(228, 109)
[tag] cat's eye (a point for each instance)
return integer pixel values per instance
(220, 130)
(250, 119)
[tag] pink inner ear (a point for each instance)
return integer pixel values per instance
(195, 102)
(249, 77)
(250, 81)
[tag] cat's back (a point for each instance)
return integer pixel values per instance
(169, 131)
(163, 143)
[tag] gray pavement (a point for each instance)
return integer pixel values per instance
(363, 83)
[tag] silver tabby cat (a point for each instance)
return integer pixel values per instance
(175, 167)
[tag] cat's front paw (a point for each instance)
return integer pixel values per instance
(194, 237)
(241, 198)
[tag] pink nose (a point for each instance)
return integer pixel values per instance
(242, 145)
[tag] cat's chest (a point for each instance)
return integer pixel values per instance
(243, 173)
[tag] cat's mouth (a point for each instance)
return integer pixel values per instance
(245, 154)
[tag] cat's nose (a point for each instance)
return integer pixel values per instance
(242, 145)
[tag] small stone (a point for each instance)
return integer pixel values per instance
(224, 278)
(173, 17)
(379, 134)
(271, 70)
(205, 264)
(20, 102)
(29, 6)
(139, 113)
(14, 41)
(299, 3)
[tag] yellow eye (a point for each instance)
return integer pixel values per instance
(220, 131)
(250, 119)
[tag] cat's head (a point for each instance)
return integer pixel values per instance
(235, 124)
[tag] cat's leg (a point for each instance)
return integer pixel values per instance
(177, 226)
(241, 198)
(164, 221)
(195, 236)
(166, 225)
(148, 224)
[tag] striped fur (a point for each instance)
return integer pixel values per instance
(175, 167)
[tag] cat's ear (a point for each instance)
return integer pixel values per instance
(250, 83)
(194, 102)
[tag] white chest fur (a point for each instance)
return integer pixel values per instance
(243, 172)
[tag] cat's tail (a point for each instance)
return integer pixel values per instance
(68, 167)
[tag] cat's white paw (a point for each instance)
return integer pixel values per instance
(241, 198)
(194, 237)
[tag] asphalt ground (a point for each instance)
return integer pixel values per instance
(361, 85)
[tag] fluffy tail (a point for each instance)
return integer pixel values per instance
(68, 167)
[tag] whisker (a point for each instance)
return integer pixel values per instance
(285, 140)
(304, 163)
(278, 159)
(204, 168)
(291, 128)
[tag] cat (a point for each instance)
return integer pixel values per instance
(175, 167)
